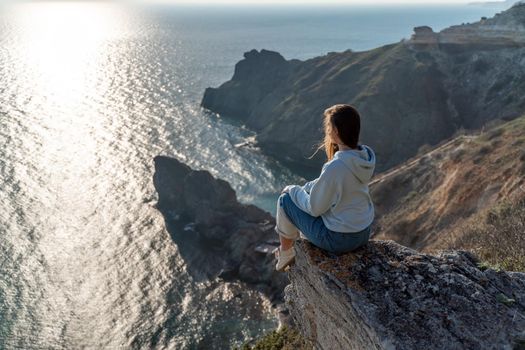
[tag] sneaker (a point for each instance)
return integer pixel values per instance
(284, 258)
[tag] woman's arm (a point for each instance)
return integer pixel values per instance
(323, 193)
(308, 186)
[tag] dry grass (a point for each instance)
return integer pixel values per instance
(458, 154)
(424, 206)
(494, 133)
(496, 236)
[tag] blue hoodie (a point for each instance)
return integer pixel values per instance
(340, 194)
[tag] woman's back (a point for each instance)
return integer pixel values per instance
(352, 209)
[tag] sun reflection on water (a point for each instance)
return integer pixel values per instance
(59, 57)
(62, 45)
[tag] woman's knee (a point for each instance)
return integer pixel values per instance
(285, 201)
(284, 197)
(287, 204)
(284, 226)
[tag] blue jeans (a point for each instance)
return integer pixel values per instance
(315, 230)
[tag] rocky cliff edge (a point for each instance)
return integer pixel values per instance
(386, 296)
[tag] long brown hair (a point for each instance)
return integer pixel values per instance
(346, 119)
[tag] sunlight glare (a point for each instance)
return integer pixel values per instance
(63, 42)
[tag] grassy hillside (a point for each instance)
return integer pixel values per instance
(468, 194)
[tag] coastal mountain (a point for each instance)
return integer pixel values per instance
(413, 93)
(445, 113)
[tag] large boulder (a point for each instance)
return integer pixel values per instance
(216, 235)
(387, 296)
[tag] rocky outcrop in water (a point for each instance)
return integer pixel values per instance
(420, 91)
(216, 235)
(386, 296)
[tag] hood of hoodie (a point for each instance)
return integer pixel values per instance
(360, 162)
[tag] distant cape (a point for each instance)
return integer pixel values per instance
(416, 92)
(507, 3)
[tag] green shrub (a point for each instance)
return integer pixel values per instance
(492, 134)
(424, 149)
(410, 196)
(499, 239)
(484, 150)
(282, 339)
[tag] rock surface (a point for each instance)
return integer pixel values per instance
(386, 296)
(422, 93)
(216, 235)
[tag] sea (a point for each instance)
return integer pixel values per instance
(90, 93)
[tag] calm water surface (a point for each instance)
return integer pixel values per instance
(90, 93)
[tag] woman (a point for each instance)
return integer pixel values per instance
(334, 211)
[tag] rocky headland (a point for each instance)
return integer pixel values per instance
(216, 235)
(416, 92)
(386, 296)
